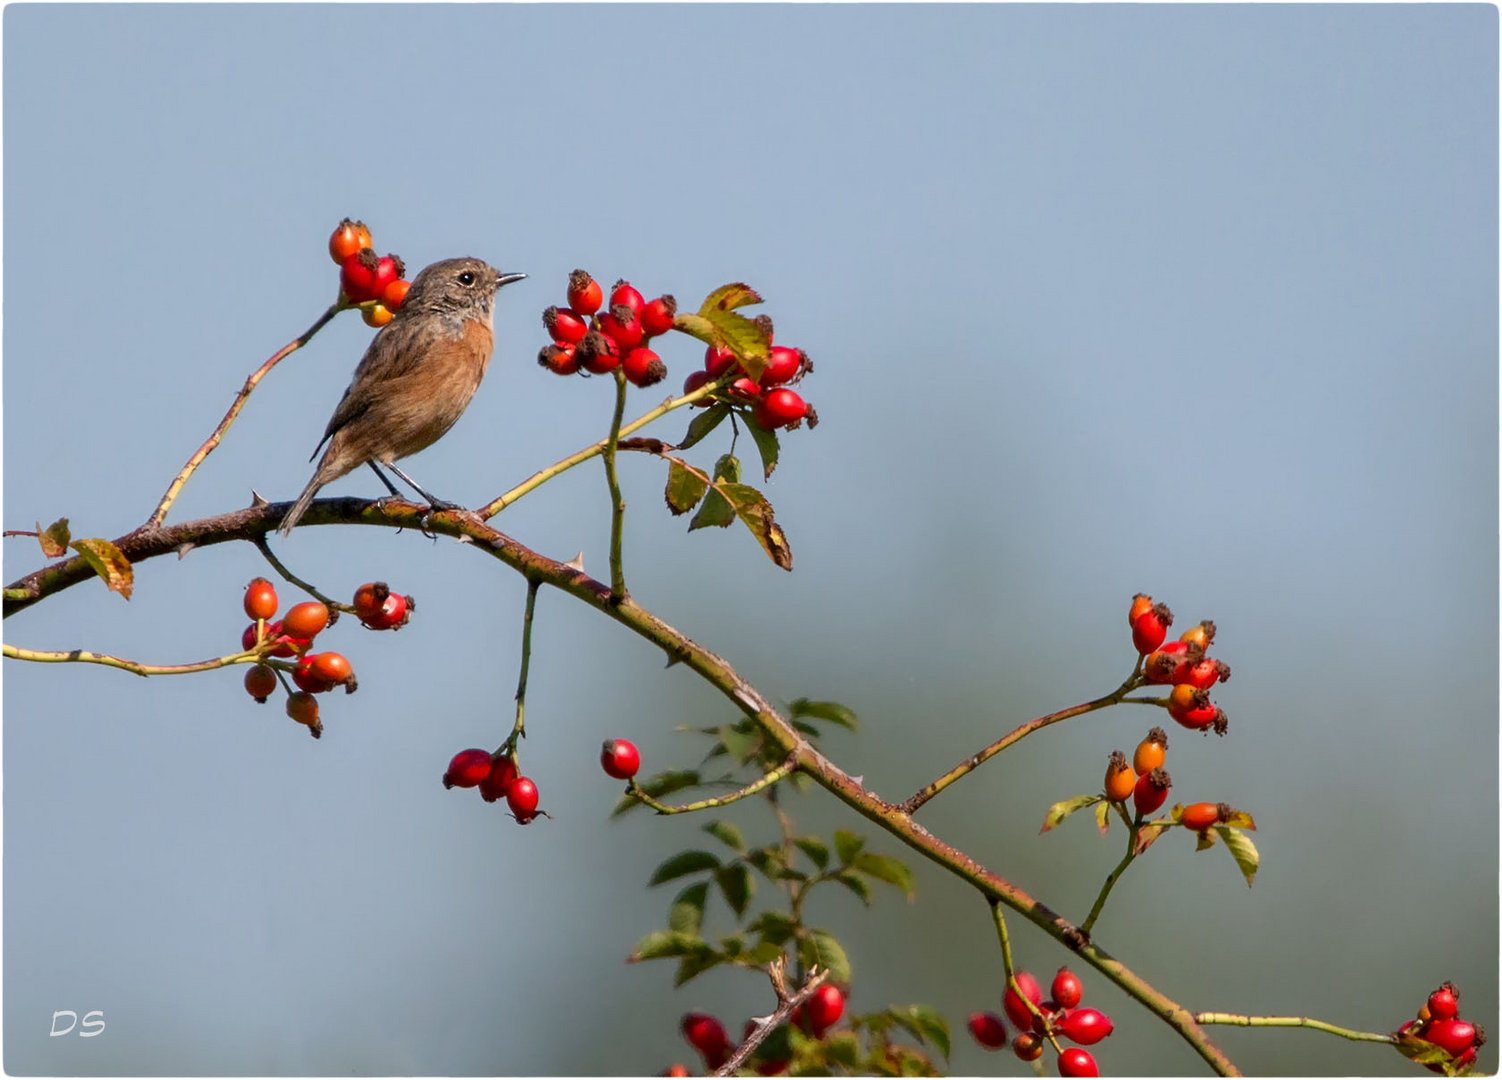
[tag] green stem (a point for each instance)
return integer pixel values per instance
(542, 476)
(519, 728)
(175, 488)
(617, 502)
(333, 605)
(1292, 1021)
(83, 656)
(783, 770)
(1017, 734)
(1113, 877)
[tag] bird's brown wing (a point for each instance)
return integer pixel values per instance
(397, 356)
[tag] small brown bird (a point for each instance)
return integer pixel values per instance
(415, 380)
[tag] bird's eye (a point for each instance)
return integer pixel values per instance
(467, 278)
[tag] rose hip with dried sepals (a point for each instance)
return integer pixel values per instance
(1085, 1026)
(260, 682)
(1151, 791)
(1151, 751)
(643, 367)
(1444, 1003)
(564, 326)
(1120, 780)
(584, 294)
(521, 796)
(260, 599)
(559, 359)
(657, 315)
(1151, 628)
(624, 294)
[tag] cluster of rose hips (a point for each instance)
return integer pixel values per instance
(1058, 1016)
(588, 339)
(1143, 779)
(1181, 664)
(497, 777)
(375, 283)
(1439, 1022)
(707, 1035)
(772, 404)
(291, 637)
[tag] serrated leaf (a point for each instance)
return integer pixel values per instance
(684, 489)
(886, 868)
(685, 862)
(666, 943)
(925, 1024)
(108, 562)
(664, 783)
(737, 886)
(856, 884)
(727, 834)
(695, 326)
(1061, 810)
(734, 295)
(1241, 820)
(847, 845)
(822, 948)
(54, 538)
(703, 424)
(816, 850)
(1243, 850)
(830, 711)
(1103, 817)
(741, 336)
(686, 915)
(767, 446)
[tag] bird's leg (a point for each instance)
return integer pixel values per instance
(434, 502)
(381, 502)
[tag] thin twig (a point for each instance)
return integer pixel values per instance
(783, 770)
(135, 667)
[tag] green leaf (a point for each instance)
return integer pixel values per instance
(1061, 810)
(734, 295)
(768, 861)
(766, 446)
(108, 562)
(886, 868)
(718, 508)
(763, 952)
(664, 783)
(727, 834)
(685, 487)
(1244, 851)
(1103, 817)
(685, 862)
(924, 1023)
(54, 538)
(686, 915)
(740, 335)
(665, 943)
(695, 964)
(831, 711)
(816, 850)
(773, 926)
(703, 424)
(735, 882)
(847, 845)
(856, 884)
(740, 741)
(842, 1048)
(822, 948)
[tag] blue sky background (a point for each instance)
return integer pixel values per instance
(1194, 300)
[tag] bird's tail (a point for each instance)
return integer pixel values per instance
(300, 507)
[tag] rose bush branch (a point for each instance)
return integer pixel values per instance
(759, 784)
(159, 515)
(135, 667)
(245, 524)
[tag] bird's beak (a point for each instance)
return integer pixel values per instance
(507, 279)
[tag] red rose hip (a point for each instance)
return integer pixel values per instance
(620, 759)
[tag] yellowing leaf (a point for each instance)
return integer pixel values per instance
(685, 487)
(1061, 810)
(108, 562)
(54, 538)
(1244, 851)
(736, 294)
